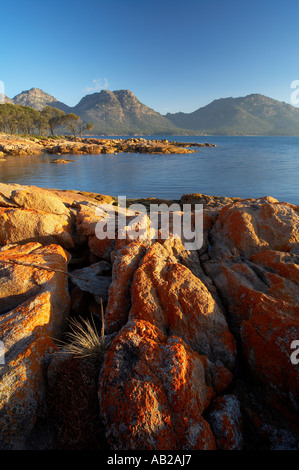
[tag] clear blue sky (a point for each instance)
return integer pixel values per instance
(175, 55)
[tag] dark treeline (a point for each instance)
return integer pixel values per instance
(16, 119)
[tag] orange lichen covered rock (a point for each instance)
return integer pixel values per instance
(20, 146)
(166, 293)
(20, 280)
(18, 225)
(39, 200)
(22, 389)
(207, 201)
(253, 262)
(34, 305)
(267, 337)
(226, 422)
(264, 311)
(33, 215)
(107, 228)
(119, 302)
(285, 265)
(86, 222)
(152, 392)
(172, 320)
(250, 226)
(174, 354)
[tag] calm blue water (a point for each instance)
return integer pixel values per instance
(238, 166)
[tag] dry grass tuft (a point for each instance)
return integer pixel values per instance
(84, 340)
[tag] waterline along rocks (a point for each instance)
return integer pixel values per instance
(196, 352)
(22, 146)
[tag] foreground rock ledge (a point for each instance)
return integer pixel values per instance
(198, 343)
(21, 146)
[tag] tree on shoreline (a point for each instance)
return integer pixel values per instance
(75, 125)
(71, 121)
(82, 127)
(53, 116)
(18, 119)
(15, 119)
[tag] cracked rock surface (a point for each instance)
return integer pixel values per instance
(198, 343)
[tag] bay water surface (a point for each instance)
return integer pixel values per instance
(236, 167)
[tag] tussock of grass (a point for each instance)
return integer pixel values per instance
(84, 340)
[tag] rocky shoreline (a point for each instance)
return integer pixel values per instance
(21, 146)
(197, 343)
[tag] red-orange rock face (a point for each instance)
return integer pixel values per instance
(172, 356)
(26, 225)
(171, 377)
(253, 263)
(22, 390)
(267, 317)
(21, 281)
(168, 295)
(254, 225)
(260, 288)
(153, 391)
(86, 222)
(34, 304)
(33, 216)
(124, 267)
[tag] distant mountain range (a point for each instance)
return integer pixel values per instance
(250, 115)
(111, 112)
(121, 113)
(38, 99)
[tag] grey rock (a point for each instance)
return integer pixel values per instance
(92, 279)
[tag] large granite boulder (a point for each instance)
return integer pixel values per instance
(254, 263)
(173, 354)
(34, 306)
(33, 215)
